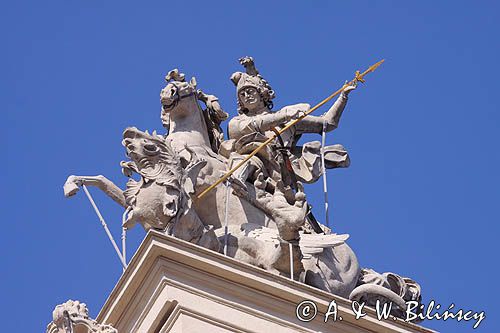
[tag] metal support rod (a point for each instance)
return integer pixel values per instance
(226, 213)
(124, 244)
(291, 260)
(124, 235)
(323, 167)
(104, 225)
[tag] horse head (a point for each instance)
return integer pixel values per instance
(179, 101)
(176, 92)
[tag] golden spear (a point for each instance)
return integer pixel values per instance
(358, 77)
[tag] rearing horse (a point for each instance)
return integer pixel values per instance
(261, 225)
(188, 125)
(331, 268)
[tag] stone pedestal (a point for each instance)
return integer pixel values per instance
(174, 286)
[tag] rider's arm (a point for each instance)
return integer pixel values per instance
(243, 125)
(314, 124)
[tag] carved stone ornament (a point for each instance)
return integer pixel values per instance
(386, 287)
(73, 317)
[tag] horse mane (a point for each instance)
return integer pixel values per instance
(214, 116)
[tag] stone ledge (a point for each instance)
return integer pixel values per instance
(174, 286)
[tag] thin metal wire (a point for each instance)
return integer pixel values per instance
(226, 213)
(104, 225)
(323, 170)
(124, 235)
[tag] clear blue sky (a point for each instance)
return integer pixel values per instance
(421, 197)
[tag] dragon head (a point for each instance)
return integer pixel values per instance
(151, 156)
(166, 181)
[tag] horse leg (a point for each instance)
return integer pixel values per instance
(72, 184)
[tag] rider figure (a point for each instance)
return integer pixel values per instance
(256, 123)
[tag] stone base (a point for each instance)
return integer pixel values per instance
(175, 286)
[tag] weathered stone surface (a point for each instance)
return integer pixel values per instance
(269, 223)
(256, 123)
(174, 286)
(73, 317)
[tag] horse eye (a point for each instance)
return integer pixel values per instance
(150, 147)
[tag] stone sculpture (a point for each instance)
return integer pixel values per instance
(73, 316)
(256, 123)
(263, 204)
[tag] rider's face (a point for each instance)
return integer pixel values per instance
(250, 98)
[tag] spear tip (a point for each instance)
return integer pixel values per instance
(375, 65)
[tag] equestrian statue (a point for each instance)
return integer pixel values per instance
(243, 196)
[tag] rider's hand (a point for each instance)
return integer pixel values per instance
(348, 88)
(295, 111)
